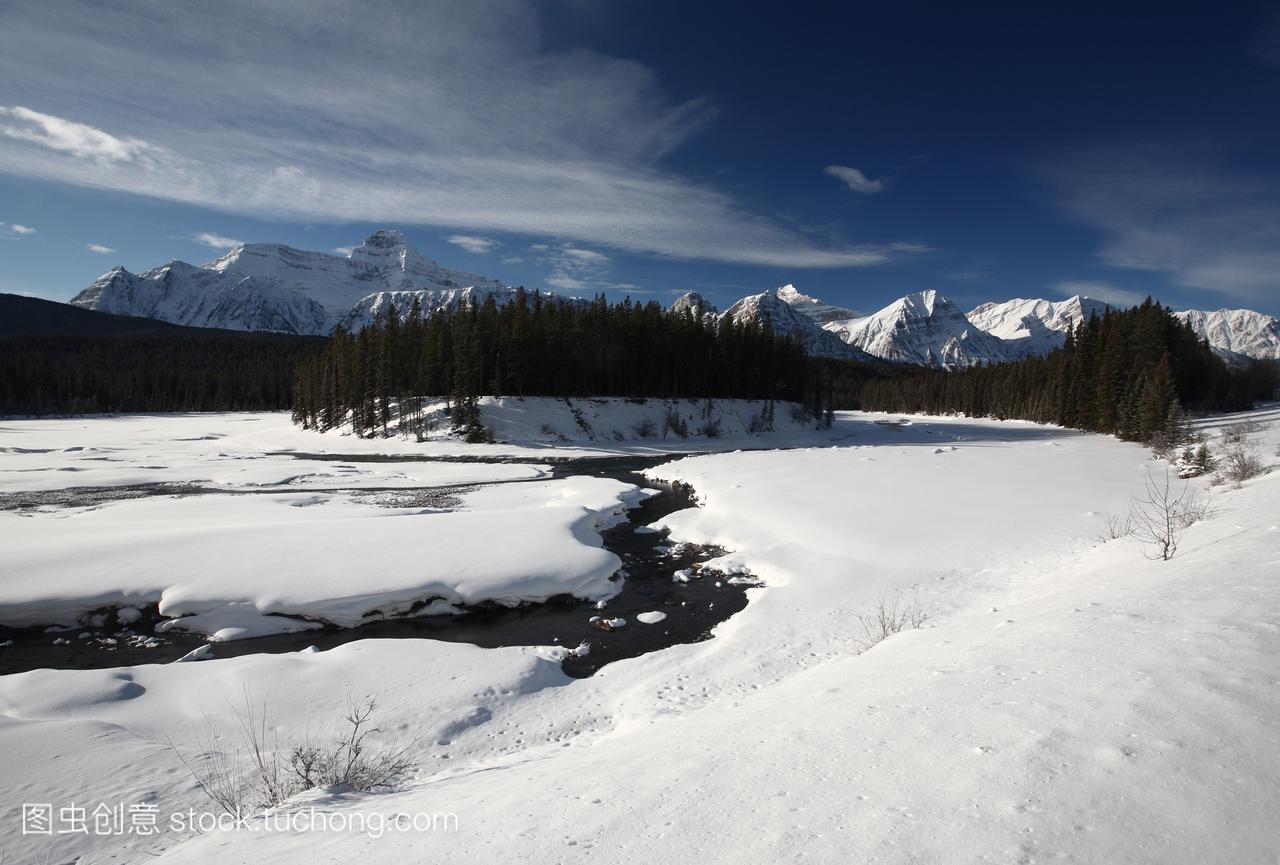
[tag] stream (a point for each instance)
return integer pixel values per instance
(692, 608)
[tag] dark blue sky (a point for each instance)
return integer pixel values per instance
(859, 151)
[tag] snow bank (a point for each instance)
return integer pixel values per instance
(237, 563)
(628, 425)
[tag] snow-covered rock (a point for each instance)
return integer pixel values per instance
(768, 308)
(818, 311)
(273, 287)
(695, 303)
(1034, 326)
(1237, 334)
(923, 328)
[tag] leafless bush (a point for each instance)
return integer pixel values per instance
(1117, 527)
(1162, 517)
(346, 761)
(1240, 462)
(646, 429)
(261, 772)
(1239, 459)
(1240, 432)
(894, 613)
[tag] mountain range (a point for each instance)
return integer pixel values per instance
(273, 287)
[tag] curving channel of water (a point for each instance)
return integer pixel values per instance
(692, 609)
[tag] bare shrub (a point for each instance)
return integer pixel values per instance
(1238, 458)
(646, 429)
(1162, 517)
(1117, 527)
(894, 613)
(259, 771)
(710, 429)
(346, 761)
(1240, 432)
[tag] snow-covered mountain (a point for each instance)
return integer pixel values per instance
(1237, 334)
(695, 303)
(817, 311)
(1033, 326)
(767, 308)
(270, 286)
(181, 293)
(273, 287)
(923, 328)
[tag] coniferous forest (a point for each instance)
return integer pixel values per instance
(220, 371)
(535, 346)
(1132, 373)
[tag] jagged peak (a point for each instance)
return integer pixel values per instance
(693, 302)
(385, 238)
(922, 304)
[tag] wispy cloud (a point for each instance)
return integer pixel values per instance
(217, 241)
(854, 179)
(13, 229)
(1099, 290)
(344, 250)
(1177, 211)
(67, 136)
(574, 268)
(472, 243)
(100, 249)
(258, 115)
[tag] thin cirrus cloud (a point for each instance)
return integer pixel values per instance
(99, 249)
(270, 122)
(574, 268)
(217, 241)
(855, 180)
(1177, 210)
(473, 244)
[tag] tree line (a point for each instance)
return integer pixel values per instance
(540, 346)
(59, 374)
(1131, 373)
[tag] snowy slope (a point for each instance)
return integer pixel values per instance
(768, 308)
(181, 293)
(1237, 333)
(1034, 326)
(818, 311)
(1069, 701)
(269, 286)
(923, 328)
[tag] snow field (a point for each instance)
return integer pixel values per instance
(1070, 700)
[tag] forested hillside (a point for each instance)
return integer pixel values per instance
(1126, 372)
(534, 346)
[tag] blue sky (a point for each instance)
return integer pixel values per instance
(860, 151)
